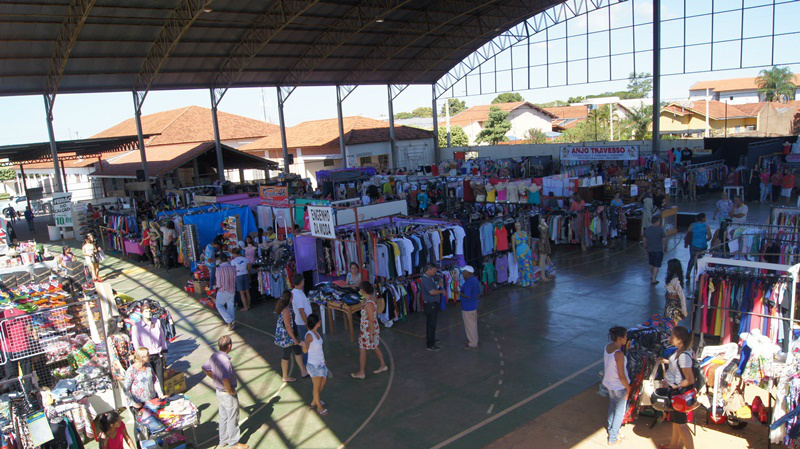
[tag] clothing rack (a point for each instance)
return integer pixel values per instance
(793, 273)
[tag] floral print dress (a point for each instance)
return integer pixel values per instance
(524, 259)
(369, 341)
(282, 337)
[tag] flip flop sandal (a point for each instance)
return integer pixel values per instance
(323, 412)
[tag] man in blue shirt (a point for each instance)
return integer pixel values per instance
(469, 306)
(210, 254)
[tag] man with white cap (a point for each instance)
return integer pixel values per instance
(469, 306)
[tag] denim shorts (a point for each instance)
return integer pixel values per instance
(242, 282)
(317, 370)
(655, 259)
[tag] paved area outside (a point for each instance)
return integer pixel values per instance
(540, 347)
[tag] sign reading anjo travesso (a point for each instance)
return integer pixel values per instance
(322, 222)
(600, 153)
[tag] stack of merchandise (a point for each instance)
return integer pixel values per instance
(173, 413)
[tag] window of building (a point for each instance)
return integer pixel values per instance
(327, 163)
(365, 160)
(750, 127)
(738, 129)
(383, 160)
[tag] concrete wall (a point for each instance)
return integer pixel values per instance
(552, 149)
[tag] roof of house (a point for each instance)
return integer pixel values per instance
(716, 109)
(162, 159)
(325, 133)
(565, 112)
(191, 124)
(481, 113)
(732, 84)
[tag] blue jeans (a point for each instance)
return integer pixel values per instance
(212, 278)
(301, 335)
(616, 411)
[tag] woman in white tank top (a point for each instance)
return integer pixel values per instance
(316, 361)
(615, 379)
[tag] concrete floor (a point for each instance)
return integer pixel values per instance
(540, 347)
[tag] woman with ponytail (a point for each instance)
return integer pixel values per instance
(680, 375)
(615, 379)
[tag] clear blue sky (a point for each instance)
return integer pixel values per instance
(80, 116)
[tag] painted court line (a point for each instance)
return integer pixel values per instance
(380, 403)
(519, 404)
(489, 412)
(496, 393)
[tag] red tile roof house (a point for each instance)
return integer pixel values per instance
(315, 145)
(735, 90)
(521, 114)
(178, 138)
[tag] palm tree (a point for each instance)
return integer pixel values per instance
(639, 120)
(776, 84)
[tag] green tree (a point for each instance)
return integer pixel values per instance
(422, 112)
(508, 97)
(535, 136)
(639, 121)
(456, 106)
(403, 115)
(594, 128)
(496, 127)
(458, 138)
(7, 174)
(776, 84)
(640, 85)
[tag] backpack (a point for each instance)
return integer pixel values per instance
(699, 378)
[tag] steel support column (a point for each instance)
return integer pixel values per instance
(342, 148)
(283, 131)
(392, 137)
(217, 144)
(137, 109)
(25, 184)
(53, 147)
(656, 73)
(64, 174)
(435, 125)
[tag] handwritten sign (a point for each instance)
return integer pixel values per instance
(322, 222)
(276, 196)
(62, 209)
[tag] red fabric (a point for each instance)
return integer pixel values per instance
(435, 170)
(16, 334)
(501, 235)
(469, 195)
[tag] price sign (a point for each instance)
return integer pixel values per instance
(62, 209)
(634, 190)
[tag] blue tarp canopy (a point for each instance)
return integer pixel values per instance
(208, 220)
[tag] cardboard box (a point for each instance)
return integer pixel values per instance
(174, 382)
(200, 286)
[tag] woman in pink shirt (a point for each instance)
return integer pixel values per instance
(250, 249)
(577, 203)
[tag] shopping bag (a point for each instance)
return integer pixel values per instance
(650, 385)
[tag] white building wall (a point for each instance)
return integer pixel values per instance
(413, 153)
(523, 119)
(472, 130)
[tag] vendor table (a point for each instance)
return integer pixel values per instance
(133, 247)
(347, 310)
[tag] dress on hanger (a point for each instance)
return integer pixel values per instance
(524, 258)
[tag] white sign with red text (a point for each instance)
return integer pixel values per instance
(600, 153)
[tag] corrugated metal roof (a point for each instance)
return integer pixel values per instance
(322, 43)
